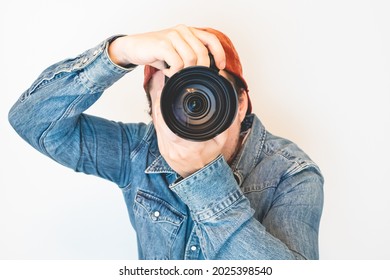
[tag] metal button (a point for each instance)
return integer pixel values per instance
(193, 248)
(156, 214)
(95, 52)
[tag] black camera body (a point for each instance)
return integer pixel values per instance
(197, 103)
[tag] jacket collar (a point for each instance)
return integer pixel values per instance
(159, 165)
(249, 155)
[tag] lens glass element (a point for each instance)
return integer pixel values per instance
(195, 104)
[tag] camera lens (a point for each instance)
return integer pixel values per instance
(198, 104)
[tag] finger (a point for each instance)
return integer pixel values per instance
(178, 52)
(185, 44)
(161, 65)
(170, 61)
(198, 48)
(213, 45)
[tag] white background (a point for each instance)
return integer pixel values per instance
(318, 72)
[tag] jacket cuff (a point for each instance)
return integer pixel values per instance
(210, 190)
(97, 71)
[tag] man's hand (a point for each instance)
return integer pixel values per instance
(178, 47)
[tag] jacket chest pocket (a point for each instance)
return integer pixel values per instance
(157, 225)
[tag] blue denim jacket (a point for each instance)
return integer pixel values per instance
(266, 205)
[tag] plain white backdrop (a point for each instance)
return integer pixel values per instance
(318, 73)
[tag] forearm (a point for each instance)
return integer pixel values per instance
(52, 106)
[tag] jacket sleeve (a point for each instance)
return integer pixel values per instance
(225, 221)
(49, 115)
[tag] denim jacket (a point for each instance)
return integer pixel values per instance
(266, 205)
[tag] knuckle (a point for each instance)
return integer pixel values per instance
(191, 59)
(173, 33)
(181, 27)
(213, 37)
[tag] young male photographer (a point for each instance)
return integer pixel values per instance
(244, 194)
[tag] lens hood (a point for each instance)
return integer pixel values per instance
(197, 103)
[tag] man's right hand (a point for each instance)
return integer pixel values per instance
(178, 47)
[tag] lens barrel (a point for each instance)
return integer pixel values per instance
(197, 103)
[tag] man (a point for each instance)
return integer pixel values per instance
(244, 194)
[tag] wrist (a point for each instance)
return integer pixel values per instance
(116, 53)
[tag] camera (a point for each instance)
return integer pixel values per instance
(197, 103)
